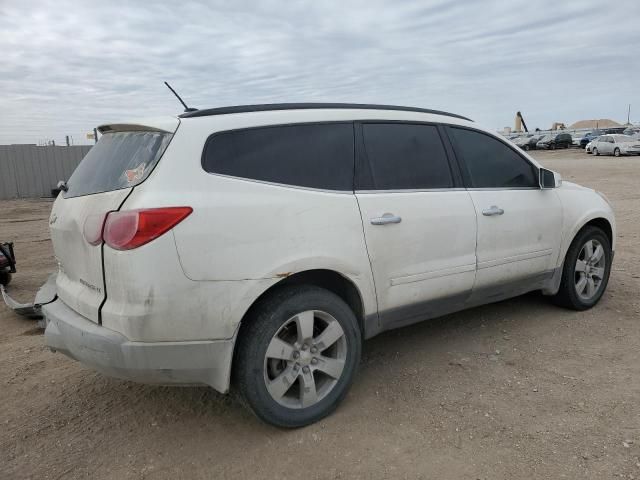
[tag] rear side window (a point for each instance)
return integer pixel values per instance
(490, 162)
(316, 156)
(118, 160)
(404, 156)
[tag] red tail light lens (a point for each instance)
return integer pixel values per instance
(129, 229)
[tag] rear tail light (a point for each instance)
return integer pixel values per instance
(129, 229)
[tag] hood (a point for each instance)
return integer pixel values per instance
(574, 186)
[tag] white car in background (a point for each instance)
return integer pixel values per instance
(264, 243)
(587, 148)
(616, 145)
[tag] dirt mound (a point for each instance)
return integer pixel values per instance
(597, 123)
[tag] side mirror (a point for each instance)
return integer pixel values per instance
(549, 179)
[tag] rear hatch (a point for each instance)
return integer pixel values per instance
(124, 157)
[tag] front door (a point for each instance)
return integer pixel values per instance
(605, 145)
(419, 225)
(519, 225)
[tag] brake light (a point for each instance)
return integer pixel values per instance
(129, 229)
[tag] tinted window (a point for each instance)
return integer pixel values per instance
(491, 163)
(118, 160)
(404, 156)
(317, 156)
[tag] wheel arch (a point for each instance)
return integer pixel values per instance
(603, 224)
(599, 221)
(328, 279)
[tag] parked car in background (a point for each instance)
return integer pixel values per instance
(587, 137)
(575, 140)
(588, 146)
(632, 132)
(555, 140)
(264, 243)
(528, 142)
(616, 145)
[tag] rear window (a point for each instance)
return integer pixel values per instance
(119, 160)
(405, 156)
(316, 156)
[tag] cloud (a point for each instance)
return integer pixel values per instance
(68, 66)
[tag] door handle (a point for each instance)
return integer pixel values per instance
(492, 210)
(386, 219)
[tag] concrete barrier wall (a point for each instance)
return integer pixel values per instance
(32, 171)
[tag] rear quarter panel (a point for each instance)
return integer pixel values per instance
(150, 299)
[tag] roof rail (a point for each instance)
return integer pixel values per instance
(306, 106)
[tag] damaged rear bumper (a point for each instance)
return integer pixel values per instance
(107, 351)
(45, 295)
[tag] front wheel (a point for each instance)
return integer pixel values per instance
(595, 152)
(526, 147)
(297, 355)
(586, 270)
(616, 152)
(5, 278)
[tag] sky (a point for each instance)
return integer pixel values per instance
(68, 66)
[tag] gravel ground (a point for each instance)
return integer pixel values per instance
(517, 389)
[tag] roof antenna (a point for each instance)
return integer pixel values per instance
(186, 109)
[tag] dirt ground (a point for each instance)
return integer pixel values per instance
(517, 389)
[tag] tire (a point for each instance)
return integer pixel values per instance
(595, 152)
(277, 319)
(552, 146)
(5, 278)
(616, 152)
(526, 147)
(568, 295)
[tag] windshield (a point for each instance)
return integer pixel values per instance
(118, 160)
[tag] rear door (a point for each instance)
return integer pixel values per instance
(100, 184)
(519, 225)
(419, 224)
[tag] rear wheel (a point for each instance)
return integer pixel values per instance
(586, 269)
(297, 355)
(5, 278)
(616, 152)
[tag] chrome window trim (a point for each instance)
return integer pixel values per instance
(453, 189)
(413, 190)
(499, 189)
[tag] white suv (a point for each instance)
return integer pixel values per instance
(263, 244)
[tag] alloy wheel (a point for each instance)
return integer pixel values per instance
(305, 359)
(589, 269)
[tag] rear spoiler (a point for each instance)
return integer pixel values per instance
(160, 124)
